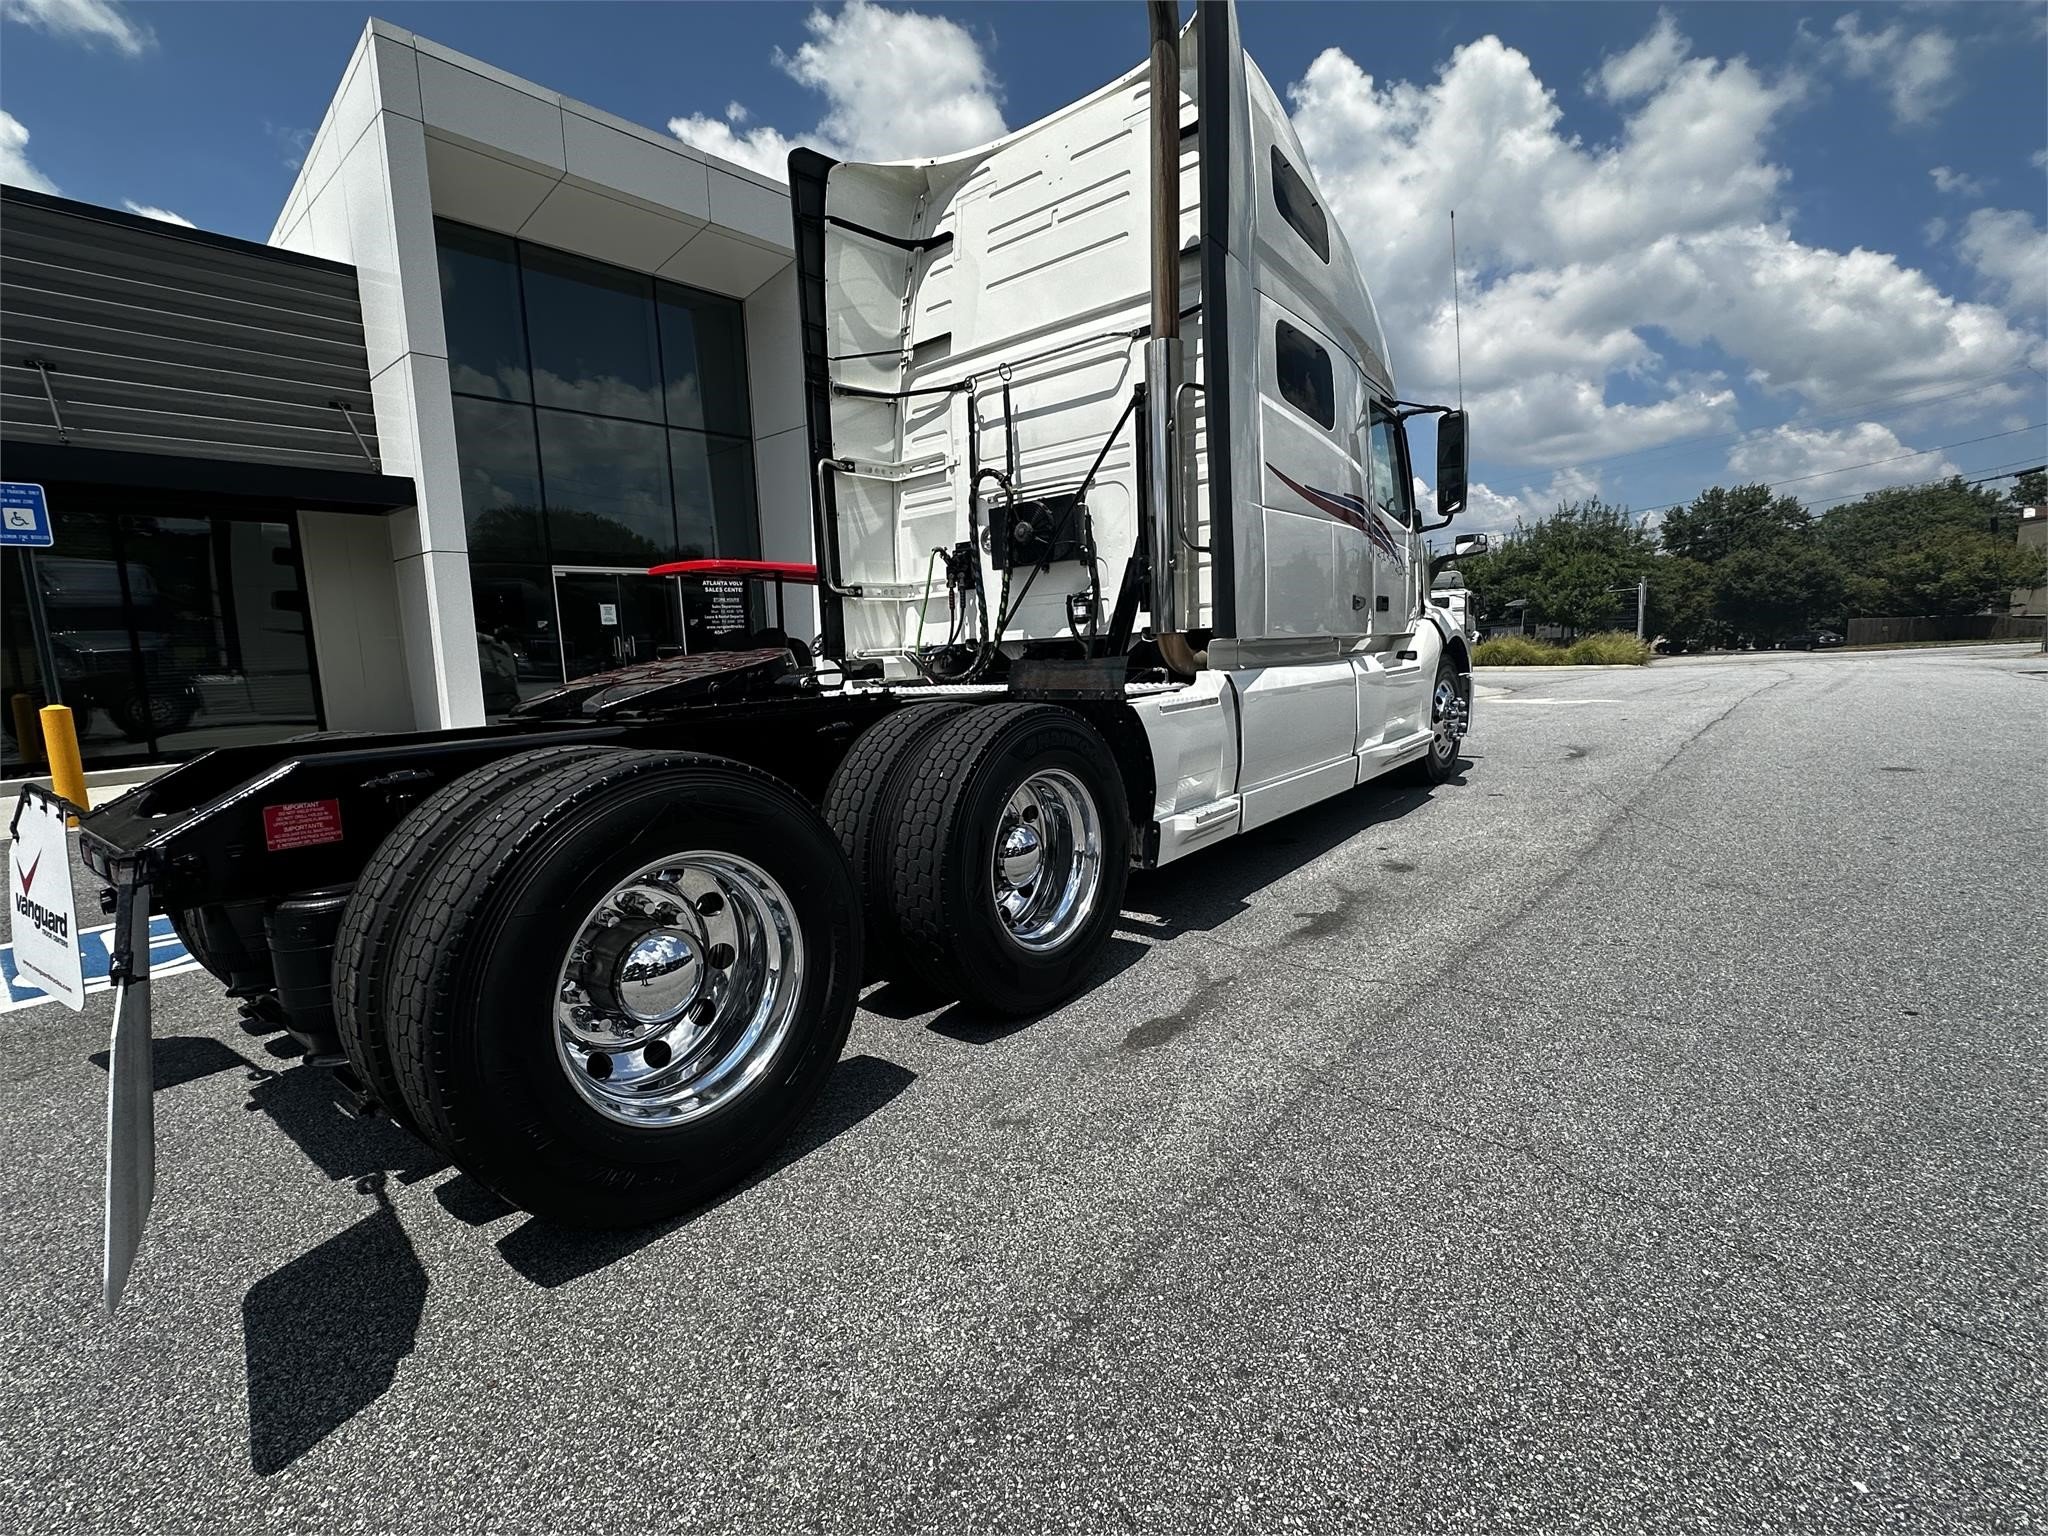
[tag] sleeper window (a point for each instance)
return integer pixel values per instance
(1306, 382)
(1298, 206)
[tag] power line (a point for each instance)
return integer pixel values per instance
(2007, 471)
(1843, 469)
(1896, 399)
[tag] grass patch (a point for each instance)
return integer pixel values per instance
(1515, 651)
(1614, 649)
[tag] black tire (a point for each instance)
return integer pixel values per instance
(1440, 761)
(473, 983)
(192, 934)
(384, 893)
(942, 846)
(860, 808)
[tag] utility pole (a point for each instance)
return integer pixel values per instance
(1642, 603)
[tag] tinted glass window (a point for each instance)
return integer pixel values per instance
(607, 485)
(1392, 490)
(1306, 382)
(501, 497)
(517, 649)
(480, 307)
(591, 329)
(1298, 206)
(714, 486)
(704, 361)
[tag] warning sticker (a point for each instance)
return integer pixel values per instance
(302, 824)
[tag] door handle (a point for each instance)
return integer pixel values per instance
(1357, 602)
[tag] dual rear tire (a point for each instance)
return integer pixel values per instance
(608, 984)
(992, 843)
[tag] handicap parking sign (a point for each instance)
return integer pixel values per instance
(24, 516)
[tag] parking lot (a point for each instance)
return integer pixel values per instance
(1644, 1129)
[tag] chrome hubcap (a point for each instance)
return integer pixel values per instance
(1447, 717)
(678, 989)
(1047, 865)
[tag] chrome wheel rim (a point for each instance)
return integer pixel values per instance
(1446, 717)
(678, 989)
(1045, 867)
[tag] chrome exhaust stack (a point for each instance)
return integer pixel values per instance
(1174, 592)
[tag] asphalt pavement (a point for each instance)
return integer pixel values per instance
(1644, 1130)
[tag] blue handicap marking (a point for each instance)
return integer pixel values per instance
(95, 962)
(24, 516)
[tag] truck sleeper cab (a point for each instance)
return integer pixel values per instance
(1117, 557)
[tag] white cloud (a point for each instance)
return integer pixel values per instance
(14, 167)
(2039, 161)
(164, 214)
(1934, 229)
(897, 84)
(1580, 260)
(1958, 182)
(1644, 68)
(2010, 250)
(90, 21)
(1917, 72)
(1818, 464)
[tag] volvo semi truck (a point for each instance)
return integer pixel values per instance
(1118, 557)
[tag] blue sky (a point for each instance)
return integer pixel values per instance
(1698, 243)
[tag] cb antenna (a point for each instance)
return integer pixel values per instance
(1457, 323)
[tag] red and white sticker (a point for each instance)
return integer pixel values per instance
(302, 824)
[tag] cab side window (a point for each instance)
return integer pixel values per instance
(1306, 380)
(1298, 206)
(1393, 489)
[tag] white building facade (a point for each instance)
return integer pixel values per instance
(583, 350)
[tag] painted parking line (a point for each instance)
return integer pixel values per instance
(167, 957)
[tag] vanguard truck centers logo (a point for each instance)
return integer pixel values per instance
(55, 925)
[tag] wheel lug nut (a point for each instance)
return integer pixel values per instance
(710, 904)
(720, 956)
(598, 1065)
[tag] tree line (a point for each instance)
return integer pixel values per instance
(1743, 564)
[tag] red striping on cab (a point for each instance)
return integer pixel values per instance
(301, 824)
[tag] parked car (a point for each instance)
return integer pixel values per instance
(1811, 640)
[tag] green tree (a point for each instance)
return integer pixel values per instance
(1565, 566)
(1769, 591)
(1682, 601)
(1942, 548)
(1719, 521)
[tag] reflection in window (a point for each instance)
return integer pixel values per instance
(591, 327)
(704, 358)
(517, 648)
(170, 635)
(1298, 206)
(714, 487)
(1391, 490)
(480, 309)
(1306, 382)
(607, 487)
(500, 480)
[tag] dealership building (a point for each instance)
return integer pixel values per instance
(409, 461)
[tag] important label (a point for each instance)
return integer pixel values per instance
(302, 824)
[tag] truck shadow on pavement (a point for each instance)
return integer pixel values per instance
(324, 1335)
(1210, 887)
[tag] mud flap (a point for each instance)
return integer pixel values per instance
(131, 1099)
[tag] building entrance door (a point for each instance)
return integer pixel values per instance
(615, 618)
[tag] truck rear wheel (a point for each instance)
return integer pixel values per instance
(1010, 850)
(384, 893)
(619, 991)
(860, 807)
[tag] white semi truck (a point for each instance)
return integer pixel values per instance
(1117, 559)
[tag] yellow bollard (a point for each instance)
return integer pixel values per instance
(60, 745)
(28, 734)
